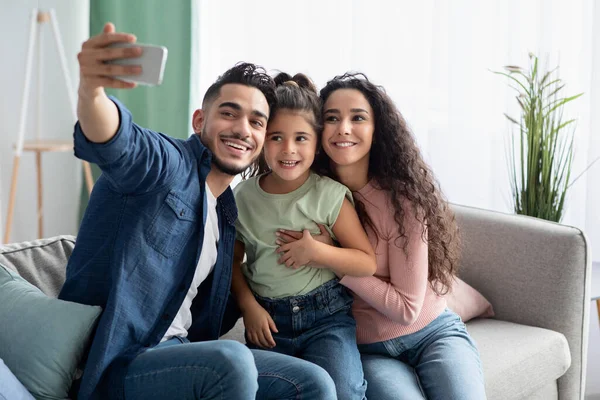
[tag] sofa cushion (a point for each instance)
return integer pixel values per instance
(42, 340)
(236, 333)
(530, 358)
(467, 302)
(40, 262)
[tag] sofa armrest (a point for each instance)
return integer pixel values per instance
(534, 272)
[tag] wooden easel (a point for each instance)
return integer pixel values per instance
(39, 146)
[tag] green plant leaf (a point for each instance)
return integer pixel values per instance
(511, 119)
(540, 151)
(514, 79)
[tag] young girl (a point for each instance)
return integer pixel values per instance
(403, 325)
(290, 297)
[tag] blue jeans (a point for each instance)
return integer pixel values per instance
(223, 369)
(319, 327)
(440, 361)
(10, 387)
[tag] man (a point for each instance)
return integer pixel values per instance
(156, 242)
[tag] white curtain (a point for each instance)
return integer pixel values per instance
(435, 58)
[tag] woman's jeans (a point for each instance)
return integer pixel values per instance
(319, 327)
(438, 362)
(222, 369)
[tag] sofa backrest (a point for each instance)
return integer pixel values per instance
(41, 262)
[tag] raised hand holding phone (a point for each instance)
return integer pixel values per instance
(97, 114)
(96, 72)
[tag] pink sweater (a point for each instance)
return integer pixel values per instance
(398, 299)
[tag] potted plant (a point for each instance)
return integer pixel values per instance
(540, 151)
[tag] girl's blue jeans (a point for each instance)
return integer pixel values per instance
(319, 327)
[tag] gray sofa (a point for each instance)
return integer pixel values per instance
(536, 274)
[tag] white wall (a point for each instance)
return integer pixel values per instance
(61, 171)
(593, 366)
(435, 59)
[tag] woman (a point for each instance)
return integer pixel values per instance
(412, 345)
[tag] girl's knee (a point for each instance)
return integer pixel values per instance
(320, 385)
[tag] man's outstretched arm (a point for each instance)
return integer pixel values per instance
(132, 158)
(97, 114)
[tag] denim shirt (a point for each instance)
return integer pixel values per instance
(138, 247)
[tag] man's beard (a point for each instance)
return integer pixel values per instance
(222, 165)
(228, 169)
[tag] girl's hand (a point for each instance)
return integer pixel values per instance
(298, 253)
(259, 325)
(287, 236)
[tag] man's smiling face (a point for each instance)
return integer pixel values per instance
(233, 127)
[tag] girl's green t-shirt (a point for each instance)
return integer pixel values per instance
(261, 214)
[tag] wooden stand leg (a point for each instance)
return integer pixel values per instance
(89, 179)
(40, 207)
(11, 201)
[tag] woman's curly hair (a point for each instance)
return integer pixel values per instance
(396, 165)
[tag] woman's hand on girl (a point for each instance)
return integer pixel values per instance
(259, 325)
(287, 236)
(298, 253)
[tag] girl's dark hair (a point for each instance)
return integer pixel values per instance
(396, 165)
(292, 93)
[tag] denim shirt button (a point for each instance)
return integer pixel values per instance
(166, 317)
(295, 309)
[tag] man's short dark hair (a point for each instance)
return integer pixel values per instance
(243, 74)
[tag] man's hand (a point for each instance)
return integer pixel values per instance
(95, 74)
(97, 114)
(259, 325)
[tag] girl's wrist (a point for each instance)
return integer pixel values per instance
(247, 303)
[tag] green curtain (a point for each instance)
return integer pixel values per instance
(163, 108)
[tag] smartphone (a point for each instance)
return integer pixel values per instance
(152, 61)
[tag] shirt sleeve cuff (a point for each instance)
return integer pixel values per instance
(105, 153)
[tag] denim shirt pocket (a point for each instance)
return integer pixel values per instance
(172, 226)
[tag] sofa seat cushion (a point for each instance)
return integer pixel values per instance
(517, 359)
(236, 333)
